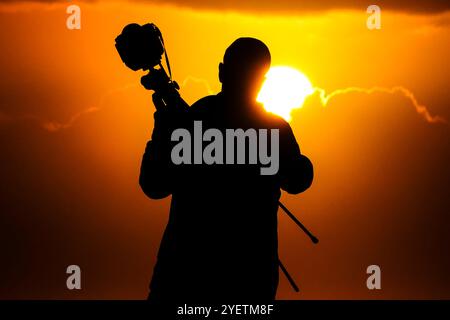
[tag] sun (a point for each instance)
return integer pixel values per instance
(284, 89)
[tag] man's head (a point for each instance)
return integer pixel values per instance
(244, 66)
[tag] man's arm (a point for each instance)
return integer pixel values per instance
(157, 171)
(296, 170)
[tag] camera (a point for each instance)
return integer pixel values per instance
(142, 47)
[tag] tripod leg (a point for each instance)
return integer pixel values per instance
(288, 276)
(298, 223)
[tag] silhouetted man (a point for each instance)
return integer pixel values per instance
(220, 243)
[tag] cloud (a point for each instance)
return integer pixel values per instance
(290, 6)
(325, 98)
(201, 81)
(295, 6)
(420, 109)
(55, 125)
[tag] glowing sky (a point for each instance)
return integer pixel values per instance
(74, 122)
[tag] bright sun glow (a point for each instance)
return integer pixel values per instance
(284, 89)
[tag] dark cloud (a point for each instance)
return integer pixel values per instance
(297, 6)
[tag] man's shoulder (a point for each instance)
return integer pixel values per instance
(203, 103)
(276, 122)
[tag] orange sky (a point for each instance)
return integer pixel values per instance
(74, 122)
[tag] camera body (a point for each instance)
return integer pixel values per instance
(140, 47)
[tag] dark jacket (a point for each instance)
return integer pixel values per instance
(221, 238)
